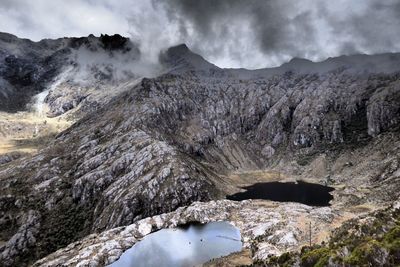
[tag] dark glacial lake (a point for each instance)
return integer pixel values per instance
(185, 246)
(302, 192)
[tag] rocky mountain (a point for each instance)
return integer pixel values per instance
(67, 72)
(195, 132)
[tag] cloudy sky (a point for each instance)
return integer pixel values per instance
(229, 33)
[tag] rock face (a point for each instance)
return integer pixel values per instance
(266, 230)
(165, 142)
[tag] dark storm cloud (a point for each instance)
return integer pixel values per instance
(268, 20)
(286, 28)
(229, 33)
(374, 29)
(219, 25)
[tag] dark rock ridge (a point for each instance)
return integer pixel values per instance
(179, 59)
(171, 140)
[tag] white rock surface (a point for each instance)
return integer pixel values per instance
(267, 228)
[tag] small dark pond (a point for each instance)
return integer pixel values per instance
(302, 192)
(185, 246)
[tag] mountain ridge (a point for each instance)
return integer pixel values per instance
(39, 72)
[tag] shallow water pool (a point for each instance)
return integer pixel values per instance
(185, 246)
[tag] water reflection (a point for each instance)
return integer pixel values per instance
(188, 246)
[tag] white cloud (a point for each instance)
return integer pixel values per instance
(242, 33)
(57, 18)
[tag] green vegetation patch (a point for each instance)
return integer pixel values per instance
(316, 257)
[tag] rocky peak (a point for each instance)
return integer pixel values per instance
(180, 58)
(112, 42)
(178, 51)
(107, 42)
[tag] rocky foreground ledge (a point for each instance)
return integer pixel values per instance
(267, 228)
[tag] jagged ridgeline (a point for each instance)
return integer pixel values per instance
(194, 132)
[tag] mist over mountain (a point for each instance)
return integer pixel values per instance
(230, 33)
(88, 63)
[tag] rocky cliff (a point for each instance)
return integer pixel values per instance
(165, 142)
